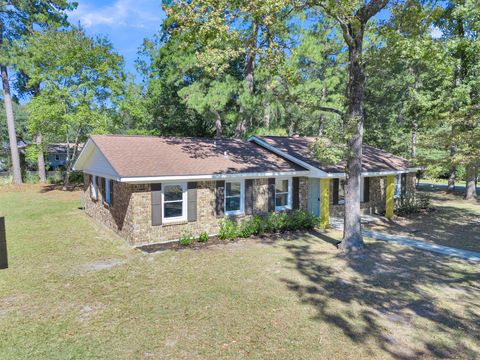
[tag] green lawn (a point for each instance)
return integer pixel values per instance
(75, 290)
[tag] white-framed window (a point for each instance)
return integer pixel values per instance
(107, 191)
(341, 191)
(283, 194)
(174, 199)
(94, 188)
(234, 197)
(398, 186)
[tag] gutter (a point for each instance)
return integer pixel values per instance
(156, 179)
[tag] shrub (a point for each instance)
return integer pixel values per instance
(413, 204)
(277, 222)
(30, 177)
(6, 180)
(228, 229)
(186, 238)
(76, 177)
(274, 222)
(203, 237)
(424, 200)
(301, 219)
(55, 177)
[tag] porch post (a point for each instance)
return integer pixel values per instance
(390, 193)
(324, 203)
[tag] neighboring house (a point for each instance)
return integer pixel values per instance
(5, 153)
(57, 155)
(150, 189)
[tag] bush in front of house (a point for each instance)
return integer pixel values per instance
(303, 220)
(273, 223)
(413, 204)
(277, 222)
(203, 237)
(228, 229)
(186, 238)
(253, 226)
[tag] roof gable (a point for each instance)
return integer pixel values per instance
(91, 160)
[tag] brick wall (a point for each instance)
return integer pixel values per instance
(120, 215)
(130, 214)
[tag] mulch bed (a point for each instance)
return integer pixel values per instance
(213, 241)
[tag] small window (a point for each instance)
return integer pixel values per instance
(283, 194)
(57, 157)
(341, 191)
(234, 197)
(93, 188)
(174, 202)
(398, 186)
(107, 191)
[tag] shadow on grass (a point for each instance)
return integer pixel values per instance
(384, 293)
(59, 187)
(447, 225)
(458, 193)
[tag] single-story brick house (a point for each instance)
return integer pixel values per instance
(149, 189)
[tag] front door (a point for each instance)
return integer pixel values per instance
(314, 196)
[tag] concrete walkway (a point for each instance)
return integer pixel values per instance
(403, 240)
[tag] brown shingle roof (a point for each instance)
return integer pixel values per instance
(133, 156)
(373, 160)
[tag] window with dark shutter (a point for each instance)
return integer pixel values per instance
(192, 201)
(249, 197)
(271, 194)
(220, 198)
(296, 193)
(156, 193)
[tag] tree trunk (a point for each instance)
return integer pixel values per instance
(266, 117)
(68, 170)
(471, 189)
(41, 159)
(12, 135)
(414, 139)
(321, 125)
(352, 233)
(451, 181)
(218, 124)
(241, 128)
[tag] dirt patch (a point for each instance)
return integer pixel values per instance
(87, 312)
(102, 265)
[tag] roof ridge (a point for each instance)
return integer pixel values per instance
(167, 137)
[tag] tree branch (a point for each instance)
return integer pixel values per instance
(331, 110)
(370, 9)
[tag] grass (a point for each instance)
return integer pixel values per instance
(455, 222)
(75, 290)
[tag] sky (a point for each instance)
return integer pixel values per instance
(124, 22)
